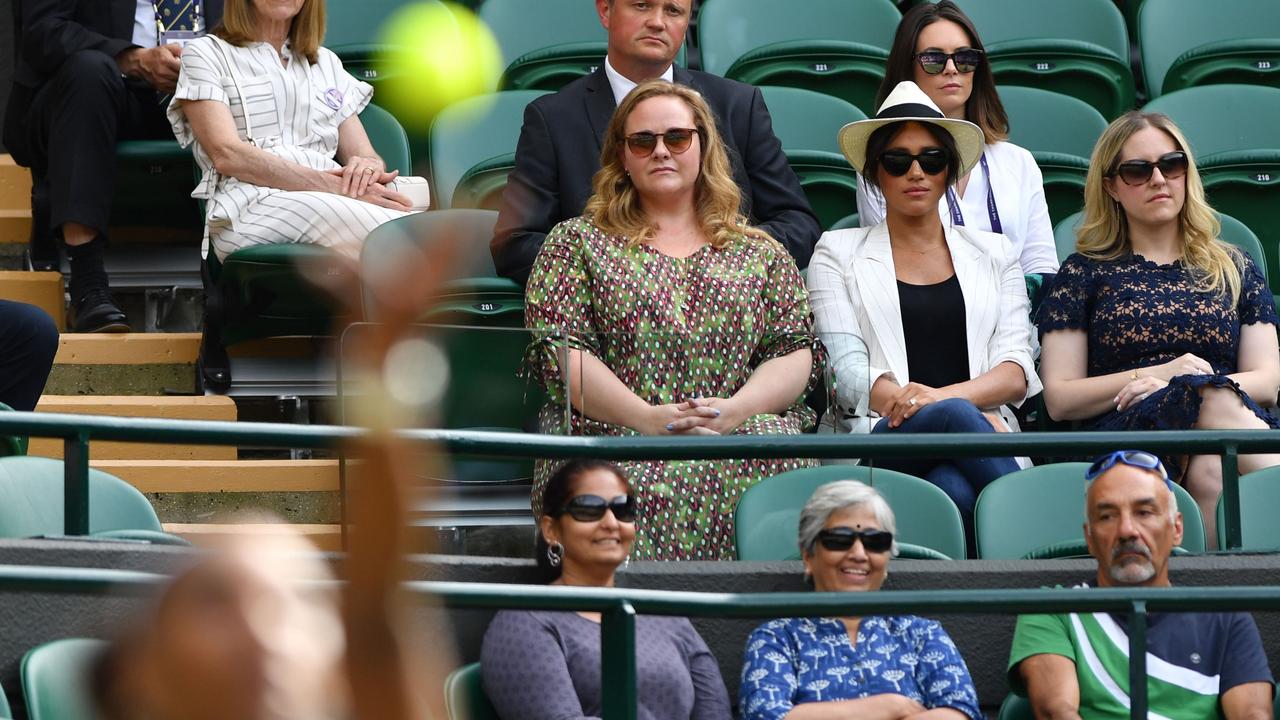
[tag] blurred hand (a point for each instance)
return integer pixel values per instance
(728, 417)
(676, 419)
(901, 408)
(382, 196)
(157, 66)
(359, 173)
(1135, 391)
(1188, 364)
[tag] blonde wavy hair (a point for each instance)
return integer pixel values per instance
(239, 26)
(614, 205)
(1104, 233)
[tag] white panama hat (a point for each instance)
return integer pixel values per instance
(909, 102)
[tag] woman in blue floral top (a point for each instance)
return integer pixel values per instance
(873, 667)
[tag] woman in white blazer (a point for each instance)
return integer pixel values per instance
(926, 323)
(938, 48)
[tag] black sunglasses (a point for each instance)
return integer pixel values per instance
(935, 61)
(590, 508)
(677, 140)
(1136, 172)
(840, 539)
(1133, 458)
(898, 162)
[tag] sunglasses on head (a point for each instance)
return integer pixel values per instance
(1133, 458)
(1136, 172)
(677, 140)
(898, 162)
(840, 539)
(935, 61)
(590, 508)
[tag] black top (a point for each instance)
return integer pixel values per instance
(933, 325)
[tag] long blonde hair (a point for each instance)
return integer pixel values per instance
(1104, 233)
(614, 205)
(239, 26)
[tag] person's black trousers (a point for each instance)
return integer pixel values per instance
(28, 342)
(73, 122)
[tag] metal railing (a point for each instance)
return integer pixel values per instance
(619, 608)
(77, 431)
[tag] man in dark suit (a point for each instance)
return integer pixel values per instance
(559, 148)
(89, 73)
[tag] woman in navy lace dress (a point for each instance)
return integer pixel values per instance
(1154, 323)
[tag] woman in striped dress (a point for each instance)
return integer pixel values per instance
(298, 167)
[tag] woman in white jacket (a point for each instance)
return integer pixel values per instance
(926, 323)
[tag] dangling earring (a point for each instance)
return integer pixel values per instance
(555, 554)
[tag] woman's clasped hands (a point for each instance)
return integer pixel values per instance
(1148, 380)
(696, 416)
(364, 179)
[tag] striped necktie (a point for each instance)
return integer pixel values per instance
(183, 15)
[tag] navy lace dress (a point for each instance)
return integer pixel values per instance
(1139, 314)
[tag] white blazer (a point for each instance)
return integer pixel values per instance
(854, 294)
(1018, 188)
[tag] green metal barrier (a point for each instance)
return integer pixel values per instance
(78, 430)
(620, 607)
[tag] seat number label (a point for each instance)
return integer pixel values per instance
(1263, 65)
(1262, 177)
(821, 67)
(486, 306)
(1042, 66)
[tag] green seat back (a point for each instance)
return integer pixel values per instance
(353, 31)
(388, 138)
(464, 696)
(806, 123)
(153, 178)
(1043, 121)
(55, 679)
(32, 503)
(1259, 497)
(5, 711)
(548, 43)
(1079, 48)
(768, 516)
(471, 132)
(833, 46)
(1025, 512)
(1238, 157)
(1015, 707)
(1233, 232)
(1185, 43)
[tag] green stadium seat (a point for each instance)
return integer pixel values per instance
(1059, 131)
(464, 697)
(56, 679)
(32, 503)
(838, 47)
(259, 291)
(1186, 43)
(473, 146)
(1078, 48)
(1259, 498)
(153, 178)
(1015, 707)
(1038, 513)
(548, 43)
(768, 516)
(353, 31)
(807, 122)
(479, 322)
(1237, 149)
(1233, 231)
(11, 444)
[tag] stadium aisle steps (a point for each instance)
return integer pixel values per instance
(167, 407)
(42, 289)
(15, 211)
(326, 536)
(197, 476)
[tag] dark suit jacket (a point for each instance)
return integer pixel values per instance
(559, 152)
(50, 31)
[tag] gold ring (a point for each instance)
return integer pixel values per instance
(368, 169)
(912, 401)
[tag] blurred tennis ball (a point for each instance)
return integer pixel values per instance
(435, 54)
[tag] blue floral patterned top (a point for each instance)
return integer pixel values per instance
(801, 660)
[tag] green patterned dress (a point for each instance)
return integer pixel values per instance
(670, 329)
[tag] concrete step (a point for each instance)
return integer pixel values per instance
(124, 364)
(15, 185)
(169, 407)
(230, 476)
(42, 289)
(326, 536)
(15, 227)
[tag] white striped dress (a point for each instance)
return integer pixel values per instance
(295, 111)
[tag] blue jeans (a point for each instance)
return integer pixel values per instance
(960, 478)
(28, 342)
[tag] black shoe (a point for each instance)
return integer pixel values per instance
(97, 313)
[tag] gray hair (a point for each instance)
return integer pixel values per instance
(838, 495)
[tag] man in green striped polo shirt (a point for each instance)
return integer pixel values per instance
(1199, 665)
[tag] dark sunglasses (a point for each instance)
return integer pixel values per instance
(1133, 458)
(590, 508)
(898, 162)
(935, 61)
(677, 140)
(1136, 172)
(840, 539)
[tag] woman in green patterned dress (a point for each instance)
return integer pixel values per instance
(667, 314)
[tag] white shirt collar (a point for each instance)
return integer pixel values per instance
(621, 85)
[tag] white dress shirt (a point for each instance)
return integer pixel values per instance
(1018, 189)
(145, 33)
(621, 85)
(853, 292)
